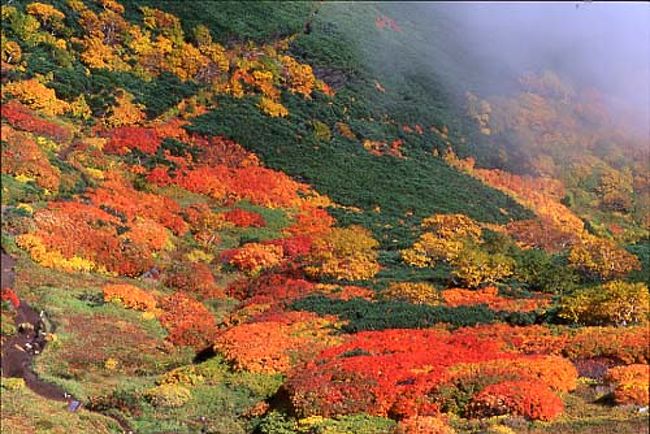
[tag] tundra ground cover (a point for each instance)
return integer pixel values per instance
(242, 226)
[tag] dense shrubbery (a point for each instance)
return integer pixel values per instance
(143, 167)
(366, 315)
(616, 302)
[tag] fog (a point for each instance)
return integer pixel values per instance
(601, 45)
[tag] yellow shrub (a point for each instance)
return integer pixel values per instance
(345, 253)
(418, 293)
(168, 395)
(53, 259)
(615, 302)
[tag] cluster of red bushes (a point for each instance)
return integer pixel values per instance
(490, 296)
(396, 373)
(25, 119)
(188, 321)
(8, 294)
(243, 219)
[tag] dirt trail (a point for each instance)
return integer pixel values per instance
(19, 351)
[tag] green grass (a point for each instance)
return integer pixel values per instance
(24, 412)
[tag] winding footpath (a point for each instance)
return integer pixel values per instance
(19, 350)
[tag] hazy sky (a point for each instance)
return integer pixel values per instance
(606, 45)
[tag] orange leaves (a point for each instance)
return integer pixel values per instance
(48, 14)
(300, 77)
(624, 344)
(270, 345)
(540, 233)
(257, 347)
(631, 384)
(388, 372)
(22, 157)
(120, 196)
(530, 399)
(258, 185)
(188, 322)
(489, 296)
(554, 372)
(621, 344)
(255, 257)
(540, 194)
(130, 296)
(424, 425)
(194, 279)
(37, 96)
(125, 111)
(311, 221)
(243, 218)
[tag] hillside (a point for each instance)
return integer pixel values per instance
(308, 217)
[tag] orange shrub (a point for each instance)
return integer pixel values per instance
(541, 233)
(275, 343)
(194, 278)
(530, 399)
(631, 384)
(37, 96)
(554, 372)
(490, 296)
(21, 156)
(625, 344)
(188, 321)
(130, 296)
(254, 257)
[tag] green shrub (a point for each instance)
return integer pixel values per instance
(366, 315)
(543, 272)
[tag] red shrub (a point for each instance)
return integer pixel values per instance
(25, 119)
(188, 321)
(121, 140)
(382, 373)
(196, 279)
(530, 399)
(293, 247)
(242, 218)
(8, 294)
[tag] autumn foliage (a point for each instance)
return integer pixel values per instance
(490, 296)
(274, 344)
(188, 322)
(345, 253)
(130, 296)
(631, 384)
(525, 398)
(243, 218)
(396, 372)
